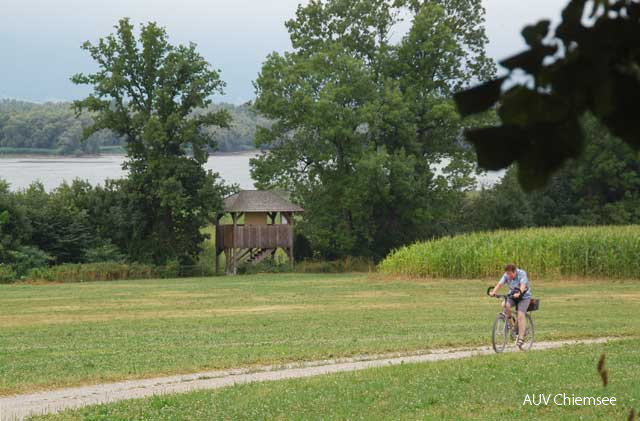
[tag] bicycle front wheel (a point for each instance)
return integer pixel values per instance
(499, 333)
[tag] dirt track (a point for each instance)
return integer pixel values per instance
(20, 406)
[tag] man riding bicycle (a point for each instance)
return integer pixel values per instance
(519, 296)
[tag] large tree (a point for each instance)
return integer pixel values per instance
(361, 117)
(147, 90)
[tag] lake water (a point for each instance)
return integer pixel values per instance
(52, 171)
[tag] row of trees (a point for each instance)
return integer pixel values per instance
(55, 128)
(51, 126)
(74, 223)
(80, 223)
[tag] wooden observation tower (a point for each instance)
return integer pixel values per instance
(258, 237)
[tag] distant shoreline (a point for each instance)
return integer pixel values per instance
(251, 152)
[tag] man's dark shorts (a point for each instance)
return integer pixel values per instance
(523, 304)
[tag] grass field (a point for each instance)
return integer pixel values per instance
(490, 387)
(58, 335)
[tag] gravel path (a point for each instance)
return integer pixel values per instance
(19, 407)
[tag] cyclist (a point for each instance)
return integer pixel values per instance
(519, 296)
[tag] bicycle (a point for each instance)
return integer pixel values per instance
(503, 330)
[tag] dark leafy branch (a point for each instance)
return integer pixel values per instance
(591, 64)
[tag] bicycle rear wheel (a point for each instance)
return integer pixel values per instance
(528, 333)
(499, 333)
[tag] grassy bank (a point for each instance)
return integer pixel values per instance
(473, 388)
(115, 150)
(59, 335)
(29, 151)
(611, 252)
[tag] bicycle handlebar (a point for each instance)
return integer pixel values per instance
(497, 295)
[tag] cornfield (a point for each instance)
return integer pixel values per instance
(604, 251)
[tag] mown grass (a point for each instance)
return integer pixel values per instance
(58, 335)
(604, 251)
(490, 387)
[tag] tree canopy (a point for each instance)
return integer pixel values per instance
(360, 118)
(147, 91)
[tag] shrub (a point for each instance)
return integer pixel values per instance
(301, 247)
(205, 266)
(171, 269)
(7, 274)
(103, 253)
(348, 264)
(85, 272)
(266, 266)
(607, 251)
(27, 258)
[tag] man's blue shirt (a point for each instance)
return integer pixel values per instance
(520, 278)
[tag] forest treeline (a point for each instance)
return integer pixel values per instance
(53, 128)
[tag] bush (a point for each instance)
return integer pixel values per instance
(205, 266)
(266, 266)
(104, 253)
(171, 269)
(348, 264)
(28, 258)
(607, 251)
(301, 247)
(7, 274)
(85, 272)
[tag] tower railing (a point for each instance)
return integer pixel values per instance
(254, 236)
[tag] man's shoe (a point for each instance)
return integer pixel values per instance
(520, 343)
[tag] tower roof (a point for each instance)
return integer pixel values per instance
(259, 201)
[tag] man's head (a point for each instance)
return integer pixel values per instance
(510, 270)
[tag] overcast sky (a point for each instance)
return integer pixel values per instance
(40, 39)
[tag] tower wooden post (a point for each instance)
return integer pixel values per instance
(217, 243)
(233, 248)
